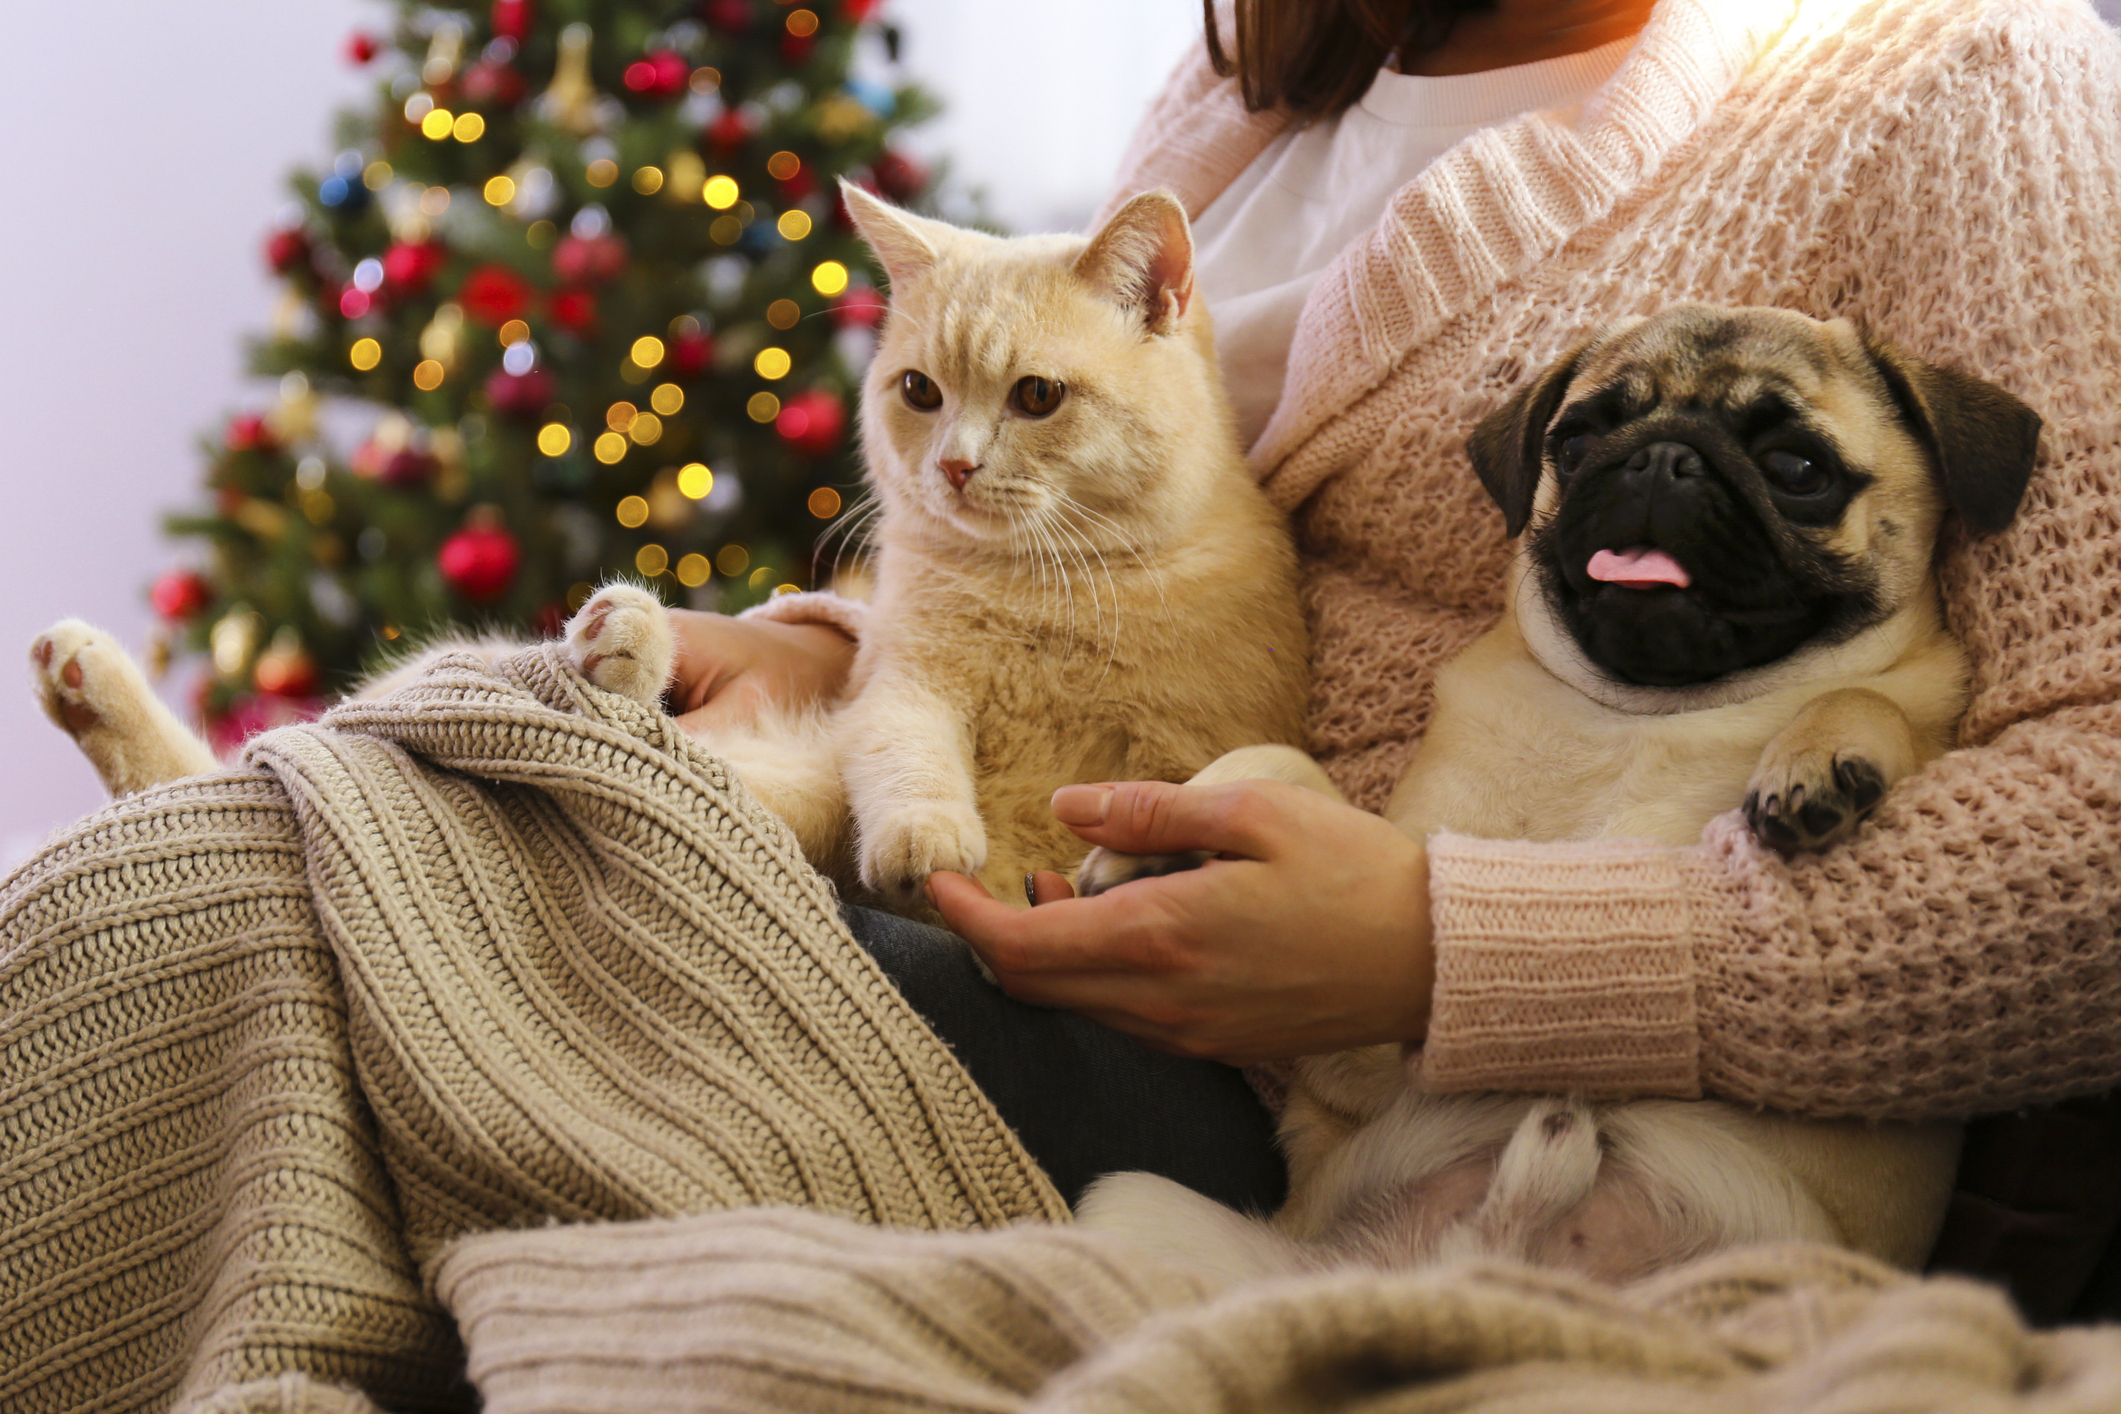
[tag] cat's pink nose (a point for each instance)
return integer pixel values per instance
(958, 470)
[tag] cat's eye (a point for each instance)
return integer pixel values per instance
(920, 391)
(1037, 397)
(1797, 475)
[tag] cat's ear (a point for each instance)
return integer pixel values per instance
(1143, 259)
(904, 243)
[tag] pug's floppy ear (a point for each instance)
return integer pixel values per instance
(1143, 260)
(905, 244)
(1509, 446)
(1982, 439)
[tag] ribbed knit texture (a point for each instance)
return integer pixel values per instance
(791, 1311)
(496, 950)
(1949, 172)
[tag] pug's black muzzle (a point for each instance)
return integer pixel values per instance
(1757, 589)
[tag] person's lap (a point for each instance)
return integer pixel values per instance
(1084, 1099)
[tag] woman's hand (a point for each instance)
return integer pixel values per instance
(728, 669)
(1309, 934)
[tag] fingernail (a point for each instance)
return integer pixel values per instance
(1081, 805)
(1031, 889)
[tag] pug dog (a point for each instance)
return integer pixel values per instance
(1723, 597)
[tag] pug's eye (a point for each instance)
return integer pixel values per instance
(920, 391)
(1570, 454)
(1037, 397)
(1799, 476)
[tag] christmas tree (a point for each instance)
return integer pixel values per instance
(577, 297)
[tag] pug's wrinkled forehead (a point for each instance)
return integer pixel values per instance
(1729, 361)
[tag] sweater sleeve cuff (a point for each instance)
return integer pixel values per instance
(816, 607)
(1568, 967)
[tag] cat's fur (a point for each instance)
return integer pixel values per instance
(1099, 593)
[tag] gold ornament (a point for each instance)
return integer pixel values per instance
(571, 101)
(841, 116)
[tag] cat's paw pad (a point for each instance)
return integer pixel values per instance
(1104, 869)
(903, 848)
(82, 678)
(621, 641)
(1812, 800)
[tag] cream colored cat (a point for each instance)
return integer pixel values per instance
(1076, 578)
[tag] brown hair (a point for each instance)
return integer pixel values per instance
(1315, 57)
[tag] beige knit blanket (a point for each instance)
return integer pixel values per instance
(299, 1064)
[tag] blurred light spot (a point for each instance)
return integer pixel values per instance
(434, 201)
(706, 80)
(368, 275)
(726, 230)
(648, 180)
(437, 124)
(554, 439)
(647, 429)
(353, 303)
(667, 398)
(499, 191)
(520, 358)
(695, 480)
(633, 512)
(418, 107)
(829, 278)
(693, 570)
(427, 376)
(376, 175)
(610, 449)
(619, 416)
(732, 560)
(802, 23)
(773, 363)
(469, 127)
(763, 407)
(760, 575)
(603, 172)
(783, 313)
(578, 594)
(651, 560)
(539, 235)
(514, 332)
(783, 165)
(310, 473)
(647, 351)
(365, 354)
(780, 589)
(824, 503)
(794, 225)
(720, 193)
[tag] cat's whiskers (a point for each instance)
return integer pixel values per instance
(1142, 559)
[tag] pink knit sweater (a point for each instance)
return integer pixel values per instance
(1948, 171)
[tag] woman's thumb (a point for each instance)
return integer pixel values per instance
(1156, 817)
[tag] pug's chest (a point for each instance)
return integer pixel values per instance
(1513, 754)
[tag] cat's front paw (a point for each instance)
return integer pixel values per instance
(1811, 799)
(93, 690)
(621, 641)
(1104, 869)
(901, 849)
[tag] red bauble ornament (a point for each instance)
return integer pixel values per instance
(361, 47)
(512, 19)
(728, 16)
(250, 433)
(573, 310)
(549, 620)
(253, 713)
(858, 11)
(660, 74)
(729, 132)
(410, 268)
(180, 594)
(589, 260)
(522, 395)
(408, 469)
(285, 673)
(480, 561)
(859, 308)
(812, 422)
(494, 83)
(898, 177)
(287, 250)
(494, 294)
(688, 356)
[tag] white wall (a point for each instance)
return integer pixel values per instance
(147, 158)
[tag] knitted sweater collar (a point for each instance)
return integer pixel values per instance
(1491, 207)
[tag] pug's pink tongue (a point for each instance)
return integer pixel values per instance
(1638, 569)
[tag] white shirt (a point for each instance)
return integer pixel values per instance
(1263, 243)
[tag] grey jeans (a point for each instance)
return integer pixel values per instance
(1084, 1099)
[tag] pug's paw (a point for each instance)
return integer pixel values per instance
(902, 848)
(1104, 869)
(621, 641)
(1812, 800)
